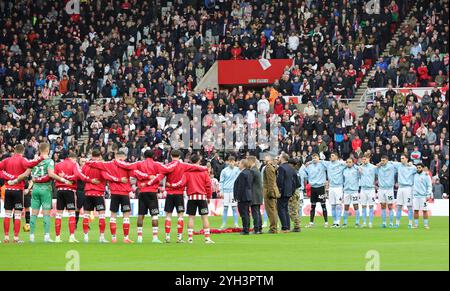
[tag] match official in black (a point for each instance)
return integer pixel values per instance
(243, 194)
(287, 181)
(257, 198)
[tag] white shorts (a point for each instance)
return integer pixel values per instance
(404, 196)
(386, 196)
(336, 195)
(228, 199)
(367, 197)
(420, 203)
(351, 198)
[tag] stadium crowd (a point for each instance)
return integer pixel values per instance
(120, 66)
(120, 70)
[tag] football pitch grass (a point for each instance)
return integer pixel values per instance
(313, 249)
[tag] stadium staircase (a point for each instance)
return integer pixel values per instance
(359, 103)
(210, 79)
(85, 134)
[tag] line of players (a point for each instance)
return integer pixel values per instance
(95, 173)
(351, 184)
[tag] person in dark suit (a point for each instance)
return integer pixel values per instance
(287, 181)
(257, 197)
(243, 194)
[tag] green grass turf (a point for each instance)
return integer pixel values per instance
(312, 249)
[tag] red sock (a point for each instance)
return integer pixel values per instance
(207, 233)
(190, 233)
(180, 226)
(101, 224)
(112, 226)
(58, 225)
(6, 223)
(17, 219)
(126, 227)
(86, 224)
(72, 224)
(168, 225)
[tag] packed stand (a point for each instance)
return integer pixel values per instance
(141, 66)
(420, 56)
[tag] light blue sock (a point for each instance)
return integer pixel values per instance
(399, 214)
(357, 216)
(338, 214)
(425, 221)
(410, 214)
(225, 214)
(371, 214)
(416, 221)
(391, 216)
(235, 215)
(345, 216)
(383, 215)
(333, 213)
(364, 215)
(265, 216)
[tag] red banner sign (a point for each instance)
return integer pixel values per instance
(252, 72)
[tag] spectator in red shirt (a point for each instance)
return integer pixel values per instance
(356, 143)
(422, 71)
(278, 107)
(236, 51)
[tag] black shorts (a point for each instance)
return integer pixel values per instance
(27, 200)
(94, 202)
(65, 199)
(14, 200)
(193, 205)
(120, 200)
(80, 199)
(148, 201)
(174, 201)
(318, 195)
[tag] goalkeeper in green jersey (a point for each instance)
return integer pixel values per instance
(42, 193)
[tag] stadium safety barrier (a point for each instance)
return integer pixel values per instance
(439, 207)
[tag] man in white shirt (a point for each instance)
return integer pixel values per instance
(263, 105)
(293, 42)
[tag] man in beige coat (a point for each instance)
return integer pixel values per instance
(271, 192)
